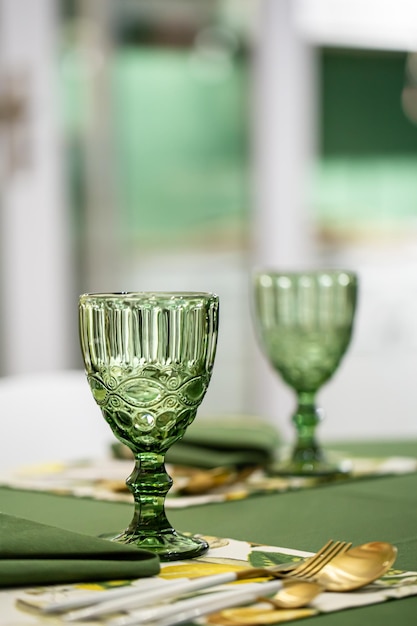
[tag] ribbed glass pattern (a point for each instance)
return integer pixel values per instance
(131, 331)
(149, 358)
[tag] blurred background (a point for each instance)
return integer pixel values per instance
(178, 144)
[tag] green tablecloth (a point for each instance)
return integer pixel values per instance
(383, 508)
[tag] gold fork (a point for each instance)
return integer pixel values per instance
(305, 570)
(312, 566)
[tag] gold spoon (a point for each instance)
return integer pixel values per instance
(357, 567)
(294, 594)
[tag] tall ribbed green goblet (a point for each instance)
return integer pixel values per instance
(148, 359)
(304, 322)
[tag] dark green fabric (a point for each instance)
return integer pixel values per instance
(33, 553)
(383, 448)
(222, 442)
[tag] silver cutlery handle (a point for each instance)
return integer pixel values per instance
(192, 608)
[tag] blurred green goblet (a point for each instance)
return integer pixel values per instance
(148, 359)
(304, 323)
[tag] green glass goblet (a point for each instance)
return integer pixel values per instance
(304, 322)
(148, 359)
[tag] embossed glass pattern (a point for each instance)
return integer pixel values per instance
(149, 359)
(304, 322)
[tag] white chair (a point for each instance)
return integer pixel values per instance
(50, 416)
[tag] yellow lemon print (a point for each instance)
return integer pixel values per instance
(192, 570)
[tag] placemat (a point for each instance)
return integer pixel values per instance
(227, 555)
(104, 479)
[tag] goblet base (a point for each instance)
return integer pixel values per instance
(316, 468)
(169, 545)
(311, 462)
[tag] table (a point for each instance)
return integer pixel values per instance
(381, 508)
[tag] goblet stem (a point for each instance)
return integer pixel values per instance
(307, 457)
(307, 452)
(149, 484)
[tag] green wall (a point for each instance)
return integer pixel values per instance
(365, 180)
(361, 111)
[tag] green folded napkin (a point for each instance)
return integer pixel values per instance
(229, 441)
(37, 554)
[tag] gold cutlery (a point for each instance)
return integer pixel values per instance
(105, 604)
(357, 567)
(293, 595)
